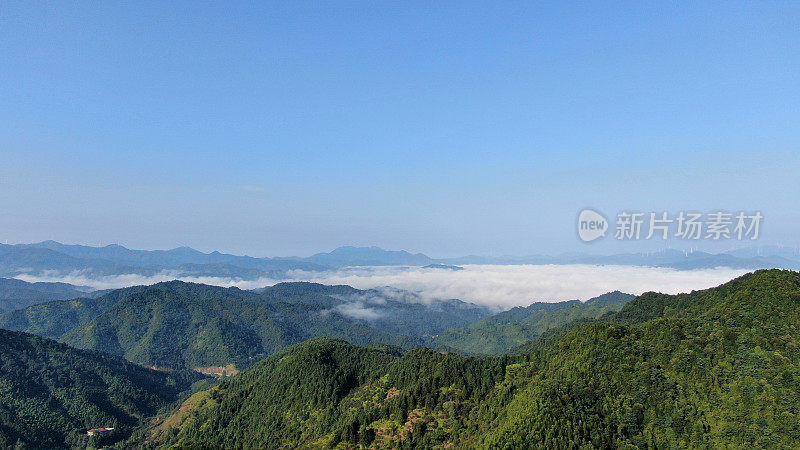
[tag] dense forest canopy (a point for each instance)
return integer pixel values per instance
(51, 394)
(179, 325)
(713, 368)
(502, 332)
(17, 294)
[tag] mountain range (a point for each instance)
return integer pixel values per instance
(187, 325)
(115, 259)
(504, 331)
(712, 368)
(17, 294)
(178, 325)
(56, 259)
(709, 369)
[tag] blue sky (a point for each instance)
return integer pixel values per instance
(444, 127)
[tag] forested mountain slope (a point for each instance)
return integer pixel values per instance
(51, 394)
(390, 310)
(56, 318)
(16, 294)
(501, 332)
(212, 326)
(188, 325)
(324, 392)
(714, 368)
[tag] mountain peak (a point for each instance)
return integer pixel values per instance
(369, 256)
(762, 292)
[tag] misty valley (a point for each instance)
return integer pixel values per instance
(178, 364)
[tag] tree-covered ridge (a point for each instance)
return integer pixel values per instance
(501, 332)
(284, 398)
(57, 318)
(188, 325)
(390, 310)
(16, 294)
(51, 394)
(716, 368)
(200, 326)
(325, 392)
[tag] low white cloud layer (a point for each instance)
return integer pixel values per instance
(495, 285)
(87, 278)
(516, 285)
(357, 310)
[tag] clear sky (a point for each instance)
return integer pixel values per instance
(450, 128)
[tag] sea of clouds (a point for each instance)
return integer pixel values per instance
(501, 286)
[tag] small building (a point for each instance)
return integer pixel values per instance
(99, 431)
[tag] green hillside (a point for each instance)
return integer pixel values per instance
(56, 318)
(324, 392)
(387, 309)
(51, 394)
(285, 397)
(186, 325)
(714, 368)
(501, 332)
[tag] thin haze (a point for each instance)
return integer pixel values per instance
(288, 128)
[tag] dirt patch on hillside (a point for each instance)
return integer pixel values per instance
(218, 371)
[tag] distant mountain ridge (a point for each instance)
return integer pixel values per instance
(16, 294)
(749, 259)
(443, 267)
(116, 259)
(369, 256)
(55, 258)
